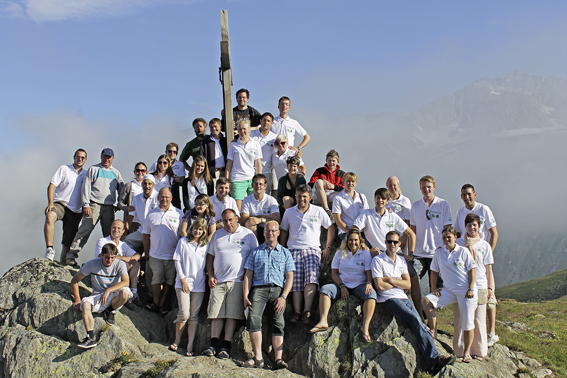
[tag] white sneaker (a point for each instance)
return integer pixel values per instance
(49, 253)
(492, 339)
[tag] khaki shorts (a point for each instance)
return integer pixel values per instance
(163, 271)
(491, 302)
(97, 306)
(225, 301)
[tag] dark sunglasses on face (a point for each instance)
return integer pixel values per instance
(392, 241)
(163, 162)
(171, 151)
(140, 170)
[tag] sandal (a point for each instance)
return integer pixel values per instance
(296, 318)
(478, 358)
(163, 311)
(466, 359)
(306, 317)
(318, 328)
(257, 364)
(366, 336)
(173, 347)
(152, 307)
(190, 354)
(72, 263)
(280, 364)
(223, 354)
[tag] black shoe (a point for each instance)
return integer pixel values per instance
(223, 354)
(210, 351)
(136, 300)
(443, 361)
(109, 317)
(87, 343)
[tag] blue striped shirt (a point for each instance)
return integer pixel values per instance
(269, 265)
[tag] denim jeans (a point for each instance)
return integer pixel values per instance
(333, 291)
(404, 310)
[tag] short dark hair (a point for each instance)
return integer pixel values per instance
(109, 248)
(199, 120)
(141, 163)
(382, 193)
(243, 90)
(228, 210)
(390, 233)
(222, 181)
(268, 114)
(215, 120)
(259, 176)
(81, 150)
(467, 186)
(284, 98)
(304, 188)
(172, 144)
(472, 218)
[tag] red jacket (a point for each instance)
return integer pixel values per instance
(335, 178)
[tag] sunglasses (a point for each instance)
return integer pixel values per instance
(163, 162)
(171, 151)
(80, 157)
(140, 170)
(392, 241)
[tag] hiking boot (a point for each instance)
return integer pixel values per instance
(87, 343)
(49, 253)
(109, 317)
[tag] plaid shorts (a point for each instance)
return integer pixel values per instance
(307, 265)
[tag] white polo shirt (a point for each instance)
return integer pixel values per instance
(280, 162)
(349, 208)
(376, 227)
(190, 264)
(178, 168)
(163, 228)
(68, 183)
(400, 206)
(352, 268)
(428, 231)
(487, 220)
(219, 156)
(244, 156)
(290, 128)
(267, 144)
(266, 206)
(454, 267)
(165, 181)
(193, 191)
(220, 206)
(305, 229)
(123, 248)
(484, 257)
(142, 206)
(384, 266)
(231, 252)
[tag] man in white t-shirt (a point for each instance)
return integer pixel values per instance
(222, 200)
(161, 234)
(172, 150)
(266, 138)
(126, 254)
(428, 217)
(289, 127)
(391, 278)
(64, 203)
(489, 233)
(226, 255)
(301, 230)
(259, 207)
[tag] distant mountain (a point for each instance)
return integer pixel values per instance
(546, 288)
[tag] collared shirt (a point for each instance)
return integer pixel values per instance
(270, 265)
(219, 156)
(123, 248)
(400, 206)
(220, 206)
(280, 162)
(376, 227)
(484, 257)
(231, 251)
(454, 267)
(68, 183)
(142, 206)
(267, 143)
(352, 268)
(305, 229)
(190, 264)
(384, 266)
(163, 228)
(254, 208)
(290, 128)
(244, 156)
(487, 220)
(428, 231)
(349, 208)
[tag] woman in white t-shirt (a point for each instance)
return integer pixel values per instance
(351, 271)
(164, 173)
(479, 248)
(131, 190)
(458, 268)
(348, 205)
(190, 257)
(281, 154)
(199, 182)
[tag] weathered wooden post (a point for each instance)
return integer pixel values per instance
(226, 78)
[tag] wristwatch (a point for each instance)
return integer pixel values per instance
(283, 296)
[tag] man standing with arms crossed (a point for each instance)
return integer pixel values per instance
(64, 203)
(259, 207)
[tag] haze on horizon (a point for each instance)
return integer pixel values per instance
(109, 74)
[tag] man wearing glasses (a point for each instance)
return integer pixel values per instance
(100, 190)
(172, 149)
(427, 218)
(284, 125)
(64, 203)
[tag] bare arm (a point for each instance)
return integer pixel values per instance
(183, 228)
(209, 266)
(472, 276)
(146, 242)
(304, 142)
(493, 237)
(50, 196)
(386, 283)
(246, 283)
(411, 237)
(342, 225)
(228, 168)
(283, 237)
(490, 279)
(330, 236)
(75, 290)
(258, 165)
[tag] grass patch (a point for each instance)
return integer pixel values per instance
(546, 339)
(160, 366)
(545, 288)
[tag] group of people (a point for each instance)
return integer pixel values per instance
(250, 230)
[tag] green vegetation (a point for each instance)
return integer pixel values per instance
(116, 364)
(160, 366)
(546, 337)
(545, 288)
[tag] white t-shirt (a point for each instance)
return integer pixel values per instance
(454, 267)
(400, 206)
(266, 206)
(68, 183)
(136, 189)
(163, 228)
(190, 264)
(142, 206)
(280, 162)
(123, 248)
(231, 252)
(243, 158)
(229, 203)
(375, 227)
(178, 168)
(352, 268)
(290, 128)
(267, 144)
(429, 231)
(384, 266)
(219, 156)
(487, 220)
(199, 188)
(305, 229)
(484, 257)
(349, 208)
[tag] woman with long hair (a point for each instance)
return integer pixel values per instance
(203, 209)
(199, 182)
(163, 173)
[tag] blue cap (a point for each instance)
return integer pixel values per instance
(107, 152)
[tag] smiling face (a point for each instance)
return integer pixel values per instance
(350, 185)
(106, 161)
(449, 240)
(292, 168)
(79, 159)
(266, 123)
(199, 167)
(162, 165)
(200, 207)
(200, 128)
(332, 163)
(164, 199)
(303, 199)
(242, 100)
(353, 242)
(393, 185)
(259, 186)
(148, 187)
(427, 189)
(172, 153)
(472, 229)
(139, 171)
(215, 128)
(271, 233)
(281, 145)
(283, 107)
(243, 130)
(197, 232)
(380, 203)
(392, 242)
(468, 196)
(222, 191)
(116, 230)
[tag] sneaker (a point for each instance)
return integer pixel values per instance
(109, 317)
(223, 354)
(129, 304)
(492, 339)
(49, 253)
(87, 343)
(210, 351)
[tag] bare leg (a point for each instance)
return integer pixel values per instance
(256, 340)
(468, 338)
(277, 344)
(416, 295)
(239, 204)
(491, 316)
(191, 331)
(288, 202)
(64, 250)
(49, 227)
(120, 299)
(216, 328)
(324, 307)
(229, 328)
(309, 295)
(134, 273)
(297, 300)
(88, 316)
(431, 316)
(367, 313)
(164, 294)
(321, 194)
(156, 290)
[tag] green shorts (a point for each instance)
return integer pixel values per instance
(240, 189)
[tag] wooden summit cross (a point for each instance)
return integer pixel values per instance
(225, 76)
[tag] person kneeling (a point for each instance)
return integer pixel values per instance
(109, 278)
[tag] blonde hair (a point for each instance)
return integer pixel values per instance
(344, 244)
(198, 223)
(427, 178)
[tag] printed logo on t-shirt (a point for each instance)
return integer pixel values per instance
(172, 220)
(359, 263)
(313, 220)
(271, 144)
(435, 214)
(457, 263)
(481, 221)
(389, 225)
(240, 242)
(289, 130)
(268, 212)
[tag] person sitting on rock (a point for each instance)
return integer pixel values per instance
(228, 250)
(259, 207)
(267, 283)
(109, 278)
(391, 278)
(350, 270)
(327, 182)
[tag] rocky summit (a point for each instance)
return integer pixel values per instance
(39, 333)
